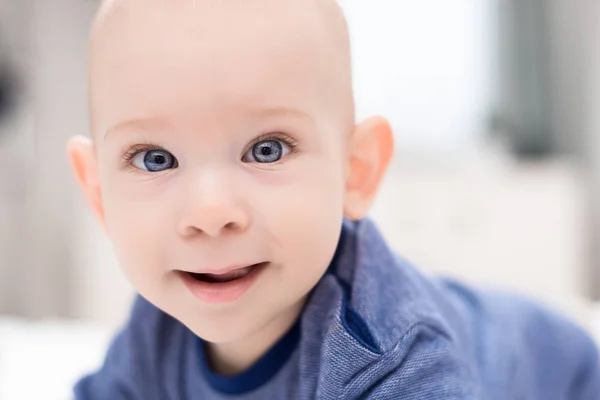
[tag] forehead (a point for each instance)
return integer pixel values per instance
(186, 58)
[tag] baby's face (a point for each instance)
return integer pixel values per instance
(220, 146)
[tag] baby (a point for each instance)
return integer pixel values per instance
(227, 170)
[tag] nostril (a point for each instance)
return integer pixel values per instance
(231, 226)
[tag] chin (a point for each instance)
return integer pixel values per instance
(221, 329)
(218, 335)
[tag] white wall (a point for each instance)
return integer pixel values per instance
(493, 222)
(426, 65)
(591, 144)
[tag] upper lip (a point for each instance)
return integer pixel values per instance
(223, 271)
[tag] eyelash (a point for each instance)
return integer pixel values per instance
(286, 139)
(139, 148)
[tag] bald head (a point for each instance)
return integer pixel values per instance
(221, 49)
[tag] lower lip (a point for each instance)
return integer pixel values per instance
(223, 292)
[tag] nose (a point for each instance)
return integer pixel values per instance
(211, 208)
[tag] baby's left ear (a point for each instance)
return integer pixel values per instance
(371, 148)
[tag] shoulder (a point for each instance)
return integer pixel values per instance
(146, 334)
(134, 363)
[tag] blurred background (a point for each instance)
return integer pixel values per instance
(496, 178)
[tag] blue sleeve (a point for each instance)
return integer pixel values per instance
(586, 385)
(561, 357)
(128, 371)
(524, 349)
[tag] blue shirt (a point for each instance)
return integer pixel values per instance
(373, 328)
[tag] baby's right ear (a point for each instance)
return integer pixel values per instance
(81, 153)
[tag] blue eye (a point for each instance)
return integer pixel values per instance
(154, 160)
(267, 151)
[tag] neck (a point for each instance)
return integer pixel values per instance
(235, 357)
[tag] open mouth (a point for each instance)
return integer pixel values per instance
(228, 276)
(222, 288)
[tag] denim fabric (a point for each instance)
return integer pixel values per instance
(374, 328)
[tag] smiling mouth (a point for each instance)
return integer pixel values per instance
(226, 287)
(228, 276)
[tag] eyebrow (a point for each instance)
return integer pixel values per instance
(280, 111)
(146, 124)
(290, 112)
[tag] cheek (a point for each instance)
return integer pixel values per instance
(306, 217)
(137, 230)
